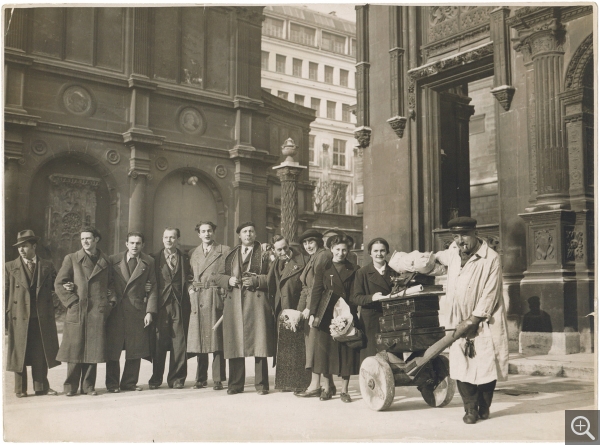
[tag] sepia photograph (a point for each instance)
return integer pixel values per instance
(218, 216)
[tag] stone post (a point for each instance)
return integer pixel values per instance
(288, 172)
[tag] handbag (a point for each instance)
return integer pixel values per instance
(355, 339)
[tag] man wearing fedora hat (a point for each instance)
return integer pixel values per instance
(474, 296)
(30, 323)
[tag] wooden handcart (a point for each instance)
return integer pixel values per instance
(425, 368)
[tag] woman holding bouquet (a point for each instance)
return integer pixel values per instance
(372, 283)
(334, 280)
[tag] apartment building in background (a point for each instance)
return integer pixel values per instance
(309, 58)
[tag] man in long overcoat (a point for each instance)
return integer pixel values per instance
(248, 315)
(206, 299)
(173, 276)
(30, 323)
(83, 284)
(127, 325)
(474, 294)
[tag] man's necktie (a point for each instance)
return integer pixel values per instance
(30, 266)
(171, 261)
(132, 263)
(246, 250)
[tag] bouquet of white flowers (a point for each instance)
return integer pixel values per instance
(290, 318)
(340, 325)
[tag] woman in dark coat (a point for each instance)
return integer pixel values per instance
(371, 283)
(330, 356)
(312, 241)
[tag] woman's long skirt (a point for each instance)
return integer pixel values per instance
(332, 357)
(291, 373)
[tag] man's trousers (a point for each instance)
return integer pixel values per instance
(131, 374)
(81, 374)
(237, 373)
(34, 357)
(218, 368)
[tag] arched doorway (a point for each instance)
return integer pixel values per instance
(183, 198)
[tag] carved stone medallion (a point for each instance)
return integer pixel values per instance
(220, 171)
(39, 147)
(191, 121)
(161, 163)
(113, 157)
(78, 100)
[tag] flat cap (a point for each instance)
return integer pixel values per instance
(462, 224)
(244, 224)
(310, 233)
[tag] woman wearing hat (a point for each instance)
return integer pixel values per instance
(334, 280)
(371, 283)
(312, 241)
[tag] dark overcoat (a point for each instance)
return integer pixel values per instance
(248, 314)
(171, 321)
(368, 282)
(307, 277)
(285, 286)
(125, 325)
(84, 336)
(17, 300)
(332, 357)
(206, 299)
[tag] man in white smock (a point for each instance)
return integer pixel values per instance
(474, 296)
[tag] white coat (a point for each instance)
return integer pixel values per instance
(476, 289)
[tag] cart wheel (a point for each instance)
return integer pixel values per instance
(442, 394)
(376, 383)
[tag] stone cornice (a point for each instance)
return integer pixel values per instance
(282, 105)
(16, 117)
(251, 154)
(136, 136)
(71, 130)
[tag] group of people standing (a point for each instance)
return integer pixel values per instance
(233, 303)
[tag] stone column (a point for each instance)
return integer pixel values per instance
(541, 36)
(550, 273)
(288, 172)
(363, 130)
(139, 174)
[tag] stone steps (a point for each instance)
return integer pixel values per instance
(576, 366)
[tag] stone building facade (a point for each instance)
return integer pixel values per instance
(142, 118)
(429, 81)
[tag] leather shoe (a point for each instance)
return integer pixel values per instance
(113, 390)
(345, 397)
(484, 412)
(232, 391)
(200, 385)
(312, 393)
(262, 392)
(133, 388)
(20, 395)
(178, 385)
(93, 392)
(153, 386)
(470, 417)
(326, 395)
(218, 386)
(71, 393)
(48, 392)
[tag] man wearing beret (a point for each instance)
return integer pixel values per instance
(248, 313)
(474, 295)
(29, 312)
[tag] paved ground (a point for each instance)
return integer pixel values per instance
(536, 413)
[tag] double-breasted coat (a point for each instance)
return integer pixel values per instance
(368, 282)
(17, 299)
(307, 277)
(84, 336)
(248, 313)
(206, 300)
(333, 357)
(284, 285)
(173, 316)
(125, 325)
